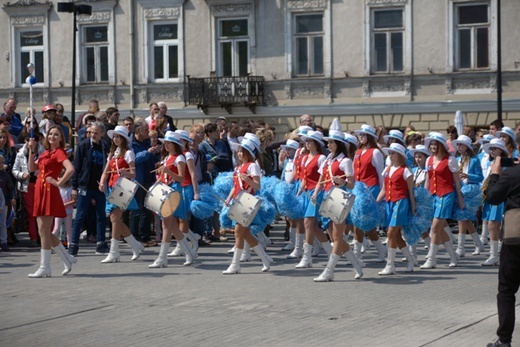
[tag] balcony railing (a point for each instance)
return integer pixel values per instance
(226, 92)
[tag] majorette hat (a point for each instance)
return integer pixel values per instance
(397, 148)
(435, 136)
(367, 129)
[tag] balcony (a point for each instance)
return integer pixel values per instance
(225, 92)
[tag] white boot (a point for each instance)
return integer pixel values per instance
(45, 265)
(485, 234)
(316, 248)
(381, 251)
(177, 252)
(427, 242)
(493, 254)
(389, 268)
(479, 247)
(187, 250)
(292, 239)
(298, 247)
(194, 240)
(137, 247)
(162, 260)
(409, 257)
(266, 260)
(413, 252)
(357, 266)
(68, 259)
(453, 256)
(113, 255)
(460, 245)
(327, 246)
(357, 252)
(246, 254)
(234, 268)
(447, 229)
(365, 245)
(231, 250)
(306, 258)
(431, 262)
(328, 274)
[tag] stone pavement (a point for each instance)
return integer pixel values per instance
(128, 304)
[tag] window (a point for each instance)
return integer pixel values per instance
(309, 45)
(233, 47)
(165, 59)
(472, 36)
(31, 51)
(387, 41)
(95, 54)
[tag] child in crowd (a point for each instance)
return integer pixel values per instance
(8, 195)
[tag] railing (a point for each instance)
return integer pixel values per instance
(226, 92)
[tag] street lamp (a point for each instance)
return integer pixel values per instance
(76, 9)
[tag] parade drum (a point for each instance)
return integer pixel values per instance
(337, 205)
(162, 199)
(122, 193)
(244, 208)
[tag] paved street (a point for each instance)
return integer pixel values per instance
(127, 304)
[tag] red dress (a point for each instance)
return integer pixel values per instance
(47, 197)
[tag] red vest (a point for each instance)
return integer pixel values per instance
(114, 176)
(336, 171)
(187, 177)
(364, 170)
(310, 172)
(165, 178)
(396, 187)
(441, 178)
(241, 169)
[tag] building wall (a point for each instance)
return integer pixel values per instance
(426, 95)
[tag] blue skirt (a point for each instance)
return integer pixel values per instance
(185, 203)
(109, 206)
(493, 213)
(311, 208)
(375, 191)
(397, 213)
(181, 211)
(443, 206)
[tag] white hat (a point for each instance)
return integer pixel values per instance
(507, 131)
(351, 139)
(254, 139)
(486, 138)
(496, 143)
(367, 129)
(314, 135)
(420, 149)
(463, 140)
(247, 144)
(291, 144)
(397, 148)
(336, 135)
(184, 135)
(394, 134)
(435, 136)
(304, 129)
(121, 131)
(172, 136)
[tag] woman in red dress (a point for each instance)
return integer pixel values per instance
(47, 199)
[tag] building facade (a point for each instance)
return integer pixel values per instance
(382, 62)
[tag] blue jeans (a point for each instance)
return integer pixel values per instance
(82, 208)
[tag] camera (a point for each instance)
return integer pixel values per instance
(507, 162)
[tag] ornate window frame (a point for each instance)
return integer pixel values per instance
(27, 15)
(229, 10)
(164, 11)
(293, 7)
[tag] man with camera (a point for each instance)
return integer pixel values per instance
(504, 185)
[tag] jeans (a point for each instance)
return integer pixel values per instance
(141, 219)
(508, 284)
(82, 208)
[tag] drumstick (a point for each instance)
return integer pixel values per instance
(329, 180)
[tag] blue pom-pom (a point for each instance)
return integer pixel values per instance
(472, 196)
(264, 217)
(223, 184)
(268, 184)
(225, 222)
(287, 203)
(208, 195)
(422, 220)
(201, 209)
(365, 212)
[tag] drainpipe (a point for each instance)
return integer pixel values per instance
(131, 46)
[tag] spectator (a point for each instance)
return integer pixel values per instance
(163, 109)
(495, 126)
(15, 119)
(89, 160)
(6, 151)
(453, 134)
(4, 125)
(151, 120)
(112, 114)
(48, 113)
(65, 126)
(218, 154)
(8, 203)
(129, 125)
(517, 127)
(306, 119)
(27, 125)
(93, 108)
(88, 119)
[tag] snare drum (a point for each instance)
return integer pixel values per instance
(122, 193)
(162, 199)
(244, 208)
(337, 205)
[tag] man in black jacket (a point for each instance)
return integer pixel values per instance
(505, 186)
(89, 161)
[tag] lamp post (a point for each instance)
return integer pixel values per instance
(499, 61)
(75, 9)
